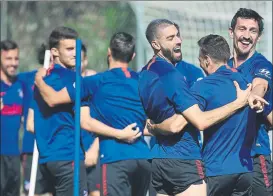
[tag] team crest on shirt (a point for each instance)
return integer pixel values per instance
(198, 79)
(20, 92)
(265, 73)
(85, 193)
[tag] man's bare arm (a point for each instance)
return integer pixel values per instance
(170, 126)
(259, 88)
(52, 97)
(30, 120)
(92, 154)
(92, 125)
(202, 120)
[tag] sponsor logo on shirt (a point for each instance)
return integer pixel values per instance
(20, 92)
(265, 73)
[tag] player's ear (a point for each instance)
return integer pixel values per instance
(208, 61)
(259, 38)
(155, 45)
(230, 30)
(109, 53)
(133, 56)
(54, 52)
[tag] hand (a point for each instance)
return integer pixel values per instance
(151, 126)
(128, 134)
(91, 158)
(41, 73)
(242, 95)
(1, 103)
(257, 103)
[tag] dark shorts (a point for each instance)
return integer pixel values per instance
(41, 186)
(230, 185)
(262, 176)
(93, 178)
(10, 175)
(60, 174)
(126, 178)
(174, 176)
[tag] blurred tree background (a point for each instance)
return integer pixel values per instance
(30, 23)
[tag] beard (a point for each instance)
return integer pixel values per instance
(167, 53)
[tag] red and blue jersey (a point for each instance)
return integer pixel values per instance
(227, 145)
(257, 66)
(55, 127)
(114, 100)
(164, 92)
(13, 100)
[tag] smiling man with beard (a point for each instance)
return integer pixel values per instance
(11, 112)
(176, 167)
(246, 30)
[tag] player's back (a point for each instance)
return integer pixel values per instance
(153, 82)
(54, 127)
(229, 142)
(116, 103)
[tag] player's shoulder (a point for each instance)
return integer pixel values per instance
(261, 59)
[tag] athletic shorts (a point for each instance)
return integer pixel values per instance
(41, 186)
(262, 176)
(60, 175)
(126, 178)
(10, 175)
(230, 185)
(174, 176)
(93, 178)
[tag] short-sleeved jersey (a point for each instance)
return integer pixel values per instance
(11, 114)
(257, 66)
(114, 100)
(190, 72)
(55, 127)
(227, 145)
(164, 92)
(28, 138)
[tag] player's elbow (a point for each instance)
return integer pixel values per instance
(201, 126)
(174, 129)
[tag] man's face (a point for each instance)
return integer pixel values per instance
(170, 43)
(67, 52)
(245, 36)
(10, 62)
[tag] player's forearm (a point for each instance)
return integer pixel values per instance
(30, 121)
(94, 147)
(259, 90)
(203, 120)
(172, 125)
(97, 127)
(47, 92)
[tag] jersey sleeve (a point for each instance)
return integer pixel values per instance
(199, 90)
(89, 85)
(177, 91)
(263, 69)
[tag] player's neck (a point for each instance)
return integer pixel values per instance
(6, 79)
(240, 59)
(118, 64)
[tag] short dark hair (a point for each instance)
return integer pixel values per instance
(61, 33)
(8, 45)
(248, 14)
(41, 53)
(122, 46)
(152, 29)
(84, 49)
(215, 46)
